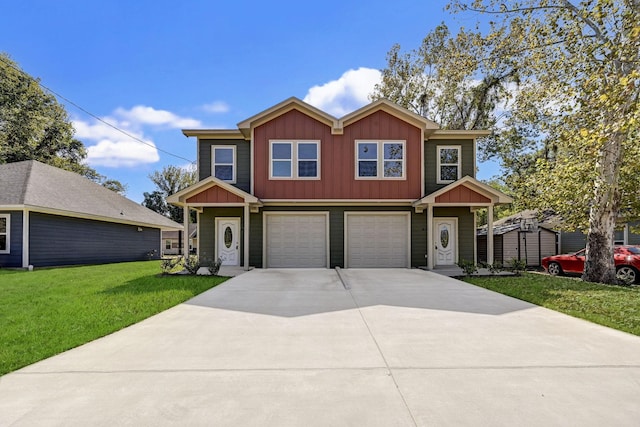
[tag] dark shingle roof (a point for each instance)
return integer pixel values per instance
(40, 187)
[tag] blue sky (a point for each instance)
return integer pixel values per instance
(153, 68)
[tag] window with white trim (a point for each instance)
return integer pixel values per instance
(448, 168)
(223, 163)
(5, 229)
(294, 160)
(380, 159)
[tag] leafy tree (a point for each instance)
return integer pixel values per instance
(34, 126)
(576, 110)
(169, 181)
(447, 81)
(156, 201)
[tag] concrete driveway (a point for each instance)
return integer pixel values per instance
(295, 348)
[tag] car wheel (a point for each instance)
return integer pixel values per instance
(554, 269)
(626, 274)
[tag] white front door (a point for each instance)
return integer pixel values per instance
(228, 240)
(446, 240)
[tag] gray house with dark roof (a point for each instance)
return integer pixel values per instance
(49, 216)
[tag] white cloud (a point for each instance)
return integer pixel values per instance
(121, 153)
(346, 94)
(216, 107)
(108, 146)
(143, 115)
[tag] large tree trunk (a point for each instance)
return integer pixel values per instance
(599, 265)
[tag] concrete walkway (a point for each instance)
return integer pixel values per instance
(295, 348)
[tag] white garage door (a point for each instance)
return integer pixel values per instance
(296, 240)
(377, 240)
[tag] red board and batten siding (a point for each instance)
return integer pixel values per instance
(462, 194)
(337, 158)
(215, 195)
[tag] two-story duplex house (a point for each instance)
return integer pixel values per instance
(294, 186)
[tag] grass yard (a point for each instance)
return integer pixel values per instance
(614, 306)
(45, 312)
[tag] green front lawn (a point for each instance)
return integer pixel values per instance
(614, 306)
(45, 312)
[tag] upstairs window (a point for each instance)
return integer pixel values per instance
(224, 163)
(448, 168)
(294, 160)
(380, 160)
(4, 233)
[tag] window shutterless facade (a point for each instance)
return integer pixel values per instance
(294, 159)
(5, 227)
(449, 166)
(380, 159)
(224, 163)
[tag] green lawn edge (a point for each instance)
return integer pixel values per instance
(616, 307)
(48, 311)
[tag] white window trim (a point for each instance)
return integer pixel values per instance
(439, 148)
(234, 165)
(380, 159)
(8, 234)
(294, 159)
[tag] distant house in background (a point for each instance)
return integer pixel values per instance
(172, 241)
(522, 237)
(573, 241)
(50, 217)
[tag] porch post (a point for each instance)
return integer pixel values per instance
(185, 234)
(430, 253)
(490, 234)
(246, 237)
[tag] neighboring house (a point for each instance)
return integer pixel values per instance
(172, 241)
(49, 216)
(567, 241)
(573, 241)
(296, 187)
(520, 236)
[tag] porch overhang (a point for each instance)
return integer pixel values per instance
(466, 191)
(213, 192)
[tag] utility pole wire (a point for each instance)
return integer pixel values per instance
(135, 138)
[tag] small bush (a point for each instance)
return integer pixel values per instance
(468, 267)
(214, 267)
(170, 265)
(192, 264)
(517, 266)
(495, 268)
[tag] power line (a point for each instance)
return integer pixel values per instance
(135, 138)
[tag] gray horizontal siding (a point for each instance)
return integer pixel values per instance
(59, 240)
(431, 159)
(14, 257)
(243, 160)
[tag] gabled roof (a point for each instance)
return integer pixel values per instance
(476, 187)
(181, 198)
(285, 106)
(337, 125)
(42, 188)
(391, 108)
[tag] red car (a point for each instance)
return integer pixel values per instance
(626, 258)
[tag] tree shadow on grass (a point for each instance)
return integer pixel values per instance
(160, 283)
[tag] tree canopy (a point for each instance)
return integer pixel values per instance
(34, 126)
(577, 109)
(559, 84)
(168, 181)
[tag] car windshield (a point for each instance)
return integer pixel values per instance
(633, 250)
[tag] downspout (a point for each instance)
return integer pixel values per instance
(25, 238)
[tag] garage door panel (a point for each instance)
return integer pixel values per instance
(377, 240)
(296, 240)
